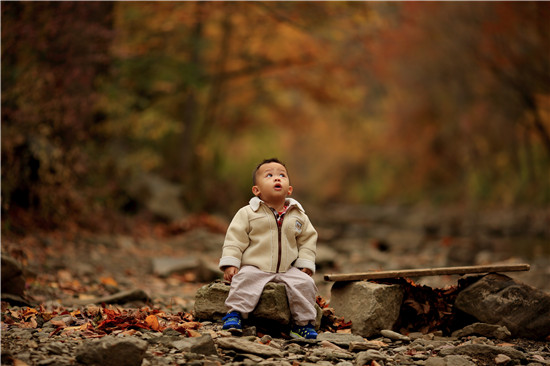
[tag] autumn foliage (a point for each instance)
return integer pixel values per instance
(98, 321)
(367, 102)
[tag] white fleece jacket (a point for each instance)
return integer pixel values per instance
(253, 238)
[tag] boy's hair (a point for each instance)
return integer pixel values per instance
(266, 161)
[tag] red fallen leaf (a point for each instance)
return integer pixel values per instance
(321, 302)
(8, 320)
(59, 329)
(110, 314)
(342, 324)
(506, 344)
(111, 324)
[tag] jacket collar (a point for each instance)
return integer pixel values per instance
(255, 203)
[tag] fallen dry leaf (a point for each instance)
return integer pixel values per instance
(193, 333)
(153, 322)
(506, 344)
(190, 325)
(108, 281)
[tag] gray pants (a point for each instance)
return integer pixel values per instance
(247, 286)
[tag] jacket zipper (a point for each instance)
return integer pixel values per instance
(280, 248)
(278, 242)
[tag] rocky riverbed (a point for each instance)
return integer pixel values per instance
(45, 345)
(157, 270)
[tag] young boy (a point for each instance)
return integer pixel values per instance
(271, 240)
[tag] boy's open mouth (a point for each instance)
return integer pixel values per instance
(278, 186)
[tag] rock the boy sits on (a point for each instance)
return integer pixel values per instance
(271, 240)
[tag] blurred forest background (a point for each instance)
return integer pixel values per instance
(442, 103)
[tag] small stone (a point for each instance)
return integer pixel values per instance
(366, 345)
(435, 361)
(332, 355)
(330, 345)
(249, 331)
(203, 345)
(473, 350)
(394, 335)
(340, 339)
(266, 339)
(502, 359)
(171, 332)
(344, 363)
(246, 346)
(483, 329)
(368, 356)
(54, 361)
(56, 348)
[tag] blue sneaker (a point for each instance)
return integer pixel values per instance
(303, 331)
(232, 322)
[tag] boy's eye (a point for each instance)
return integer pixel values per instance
(282, 175)
(269, 175)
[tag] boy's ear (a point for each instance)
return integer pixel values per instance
(290, 189)
(256, 190)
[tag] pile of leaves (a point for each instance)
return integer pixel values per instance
(330, 322)
(426, 309)
(99, 321)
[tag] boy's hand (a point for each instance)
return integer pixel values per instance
(308, 271)
(229, 272)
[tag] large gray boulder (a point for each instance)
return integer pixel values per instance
(13, 281)
(273, 304)
(371, 307)
(498, 299)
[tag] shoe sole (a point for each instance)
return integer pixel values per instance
(297, 336)
(235, 331)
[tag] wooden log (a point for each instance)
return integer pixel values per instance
(373, 275)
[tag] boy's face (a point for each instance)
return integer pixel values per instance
(272, 182)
